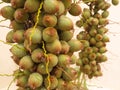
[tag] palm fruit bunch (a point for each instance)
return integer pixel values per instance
(94, 19)
(43, 45)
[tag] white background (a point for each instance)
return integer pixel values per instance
(111, 68)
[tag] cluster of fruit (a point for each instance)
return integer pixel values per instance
(43, 44)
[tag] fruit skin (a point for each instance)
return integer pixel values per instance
(18, 36)
(35, 35)
(7, 12)
(35, 80)
(65, 47)
(29, 5)
(65, 23)
(66, 35)
(54, 82)
(54, 47)
(26, 62)
(67, 3)
(75, 45)
(61, 8)
(17, 26)
(50, 34)
(9, 36)
(17, 3)
(37, 55)
(22, 81)
(20, 15)
(75, 9)
(18, 50)
(50, 7)
(49, 20)
(115, 2)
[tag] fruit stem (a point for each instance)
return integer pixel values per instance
(6, 43)
(11, 83)
(3, 20)
(1, 2)
(45, 53)
(8, 75)
(5, 26)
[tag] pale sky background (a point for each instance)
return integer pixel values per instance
(111, 69)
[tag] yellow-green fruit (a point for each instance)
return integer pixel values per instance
(50, 34)
(65, 47)
(105, 38)
(18, 50)
(75, 45)
(37, 55)
(35, 80)
(54, 47)
(93, 21)
(9, 36)
(103, 49)
(65, 23)
(71, 86)
(17, 26)
(103, 21)
(105, 14)
(88, 50)
(86, 13)
(61, 8)
(49, 20)
(33, 35)
(26, 62)
(53, 81)
(57, 72)
(67, 3)
(15, 59)
(66, 35)
(22, 81)
(41, 68)
(75, 9)
(18, 36)
(87, 69)
(17, 3)
(61, 84)
(51, 6)
(115, 2)
(31, 5)
(93, 32)
(7, 12)
(98, 37)
(20, 15)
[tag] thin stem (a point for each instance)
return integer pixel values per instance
(1, 2)
(3, 20)
(5, 26)
(8, 75)
(11, 83)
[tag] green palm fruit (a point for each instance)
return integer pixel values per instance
(102, 49)
(105, 14)
(86, 13)
(37, 55)
(64, 60)
(53, 81)
(98, 73)
(103, 21)
(22, 81)
(18, 50)
(15, 59)
(95, 49)
(17, 3)
(53, 60)
(65, 23)
(115, 2)
(80, 23)
(71, 74)
(100, 44)
(20, 15)
(35, 80)
(66, 35)
(93, 63)
(92, 56)
(57, 72)
(102, 30)
(49, 20)
(93, 32)
(75, 45)
(17, 26)
(71, 86)
(26, 62)
(61, 8)
(54, 47)
(34, 34)
(73, 59)
(29, 47)
(88, 50)
(51, 7)
(98, 37)
(75, 9)
(18, 36)
(79, 62)
(85, 60)
(87, 69)
(61, 84)
(31, 6)
(42, 69)
(50, 34)
(85, 43)
(105, 38)
(93, 21)
(7, 12)
(9, 36)
(67, 3)
(65, 47)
